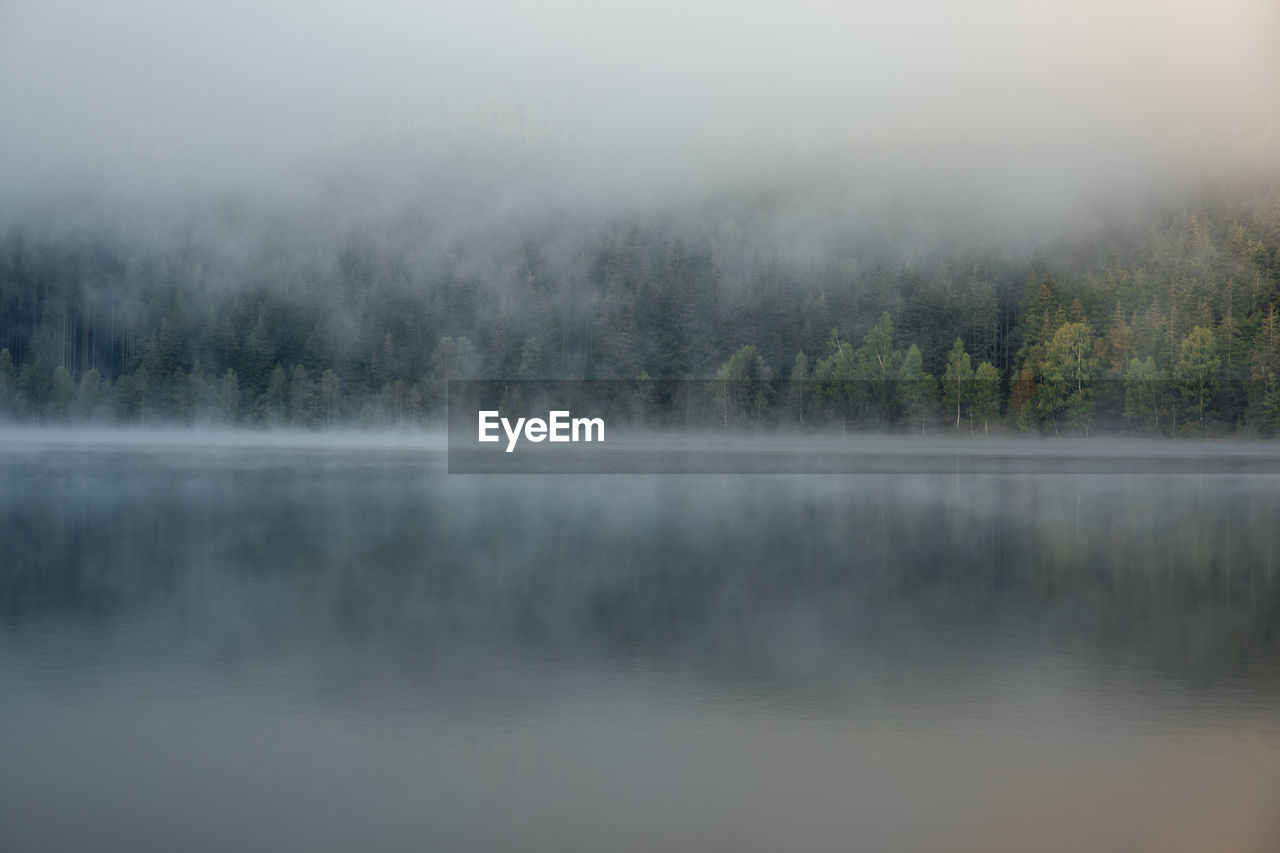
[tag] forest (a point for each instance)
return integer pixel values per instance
(1162, 322)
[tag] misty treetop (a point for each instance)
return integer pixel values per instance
(1170, 324)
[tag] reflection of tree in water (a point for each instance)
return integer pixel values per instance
(1176, 575)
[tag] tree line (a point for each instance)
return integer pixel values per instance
(1166, 326)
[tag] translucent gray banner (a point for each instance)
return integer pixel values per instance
(756, 427)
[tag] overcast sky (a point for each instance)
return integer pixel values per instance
(155, 96)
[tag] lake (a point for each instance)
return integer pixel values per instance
(262, 643)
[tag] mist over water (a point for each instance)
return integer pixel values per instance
(321, 648)
(322, 215)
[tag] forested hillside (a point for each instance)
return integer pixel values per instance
(261, 320)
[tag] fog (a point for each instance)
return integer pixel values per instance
(1015, 109)
(400, 195)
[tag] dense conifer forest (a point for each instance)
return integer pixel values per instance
(1163, 323)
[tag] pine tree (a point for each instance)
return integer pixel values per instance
(274, 402)
(90, 402)
(1197, 368)
(918, 387)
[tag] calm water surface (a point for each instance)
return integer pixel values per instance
(213, 648)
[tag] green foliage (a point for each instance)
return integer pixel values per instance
(1196, 370)
(1070, 359)
(919, 390)
(912, 369)
(1068, 369)
(383, 323)
(1266, 413)
(741, 395)
(1264, 374)
(1024, 398)
(841, 363)
(799, 385)
(274, 401)
(746, 365)
(986, 394)
(957, 380)
(877, 359)
(836, 373)
(877, 367)
(1142, 393)
(800, 369)
(91, 397)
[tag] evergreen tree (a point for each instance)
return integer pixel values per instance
(273, 403)
(1264, 372)
(91, 397)
(659, 297)
(1197, 368)
(1069, 367)
(918, 387)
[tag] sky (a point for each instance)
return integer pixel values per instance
(634, 100)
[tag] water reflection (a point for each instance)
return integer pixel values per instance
(930, 663)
